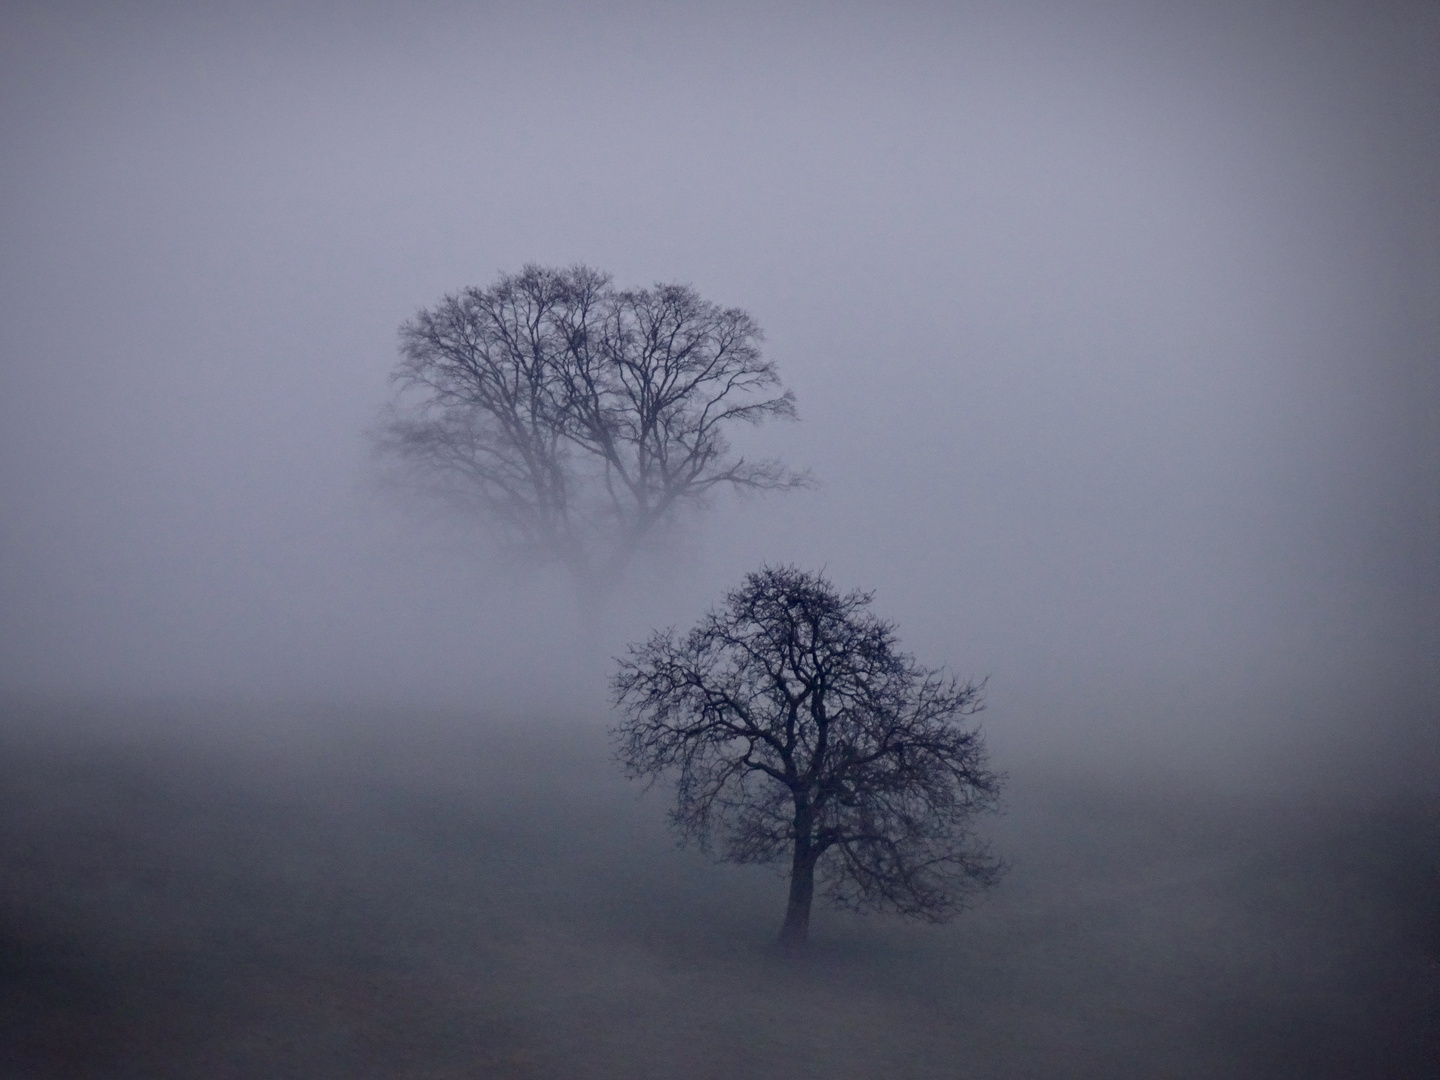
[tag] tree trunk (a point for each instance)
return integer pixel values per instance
(802, 890)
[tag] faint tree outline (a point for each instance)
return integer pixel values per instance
(576, 419)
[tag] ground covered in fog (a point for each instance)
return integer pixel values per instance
(332, 895)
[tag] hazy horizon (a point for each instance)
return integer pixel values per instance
(1112, 327)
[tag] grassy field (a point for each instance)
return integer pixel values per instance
(222, 893)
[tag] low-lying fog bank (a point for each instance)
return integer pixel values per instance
(242, 893)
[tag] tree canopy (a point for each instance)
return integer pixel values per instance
(796, 729)
(576, 417)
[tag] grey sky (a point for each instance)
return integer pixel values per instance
(1113, 327)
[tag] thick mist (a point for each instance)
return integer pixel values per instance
(1114, 332)
(1112, 329)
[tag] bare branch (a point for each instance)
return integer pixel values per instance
(575, 418)
(794, 728)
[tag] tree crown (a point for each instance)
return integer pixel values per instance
(790, 717)
(576, 417)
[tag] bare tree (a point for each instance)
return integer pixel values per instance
(796, 730)
(576, 418)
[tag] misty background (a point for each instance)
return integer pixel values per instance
(1114, 332)
(1113, 329)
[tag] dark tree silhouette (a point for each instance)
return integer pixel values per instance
(796, 730)
(575, 417)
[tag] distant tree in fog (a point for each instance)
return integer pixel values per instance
(795, 730)
(575, 418)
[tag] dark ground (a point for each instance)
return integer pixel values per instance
(384, 897)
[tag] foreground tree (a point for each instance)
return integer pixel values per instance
(575, 417)
(796, 730)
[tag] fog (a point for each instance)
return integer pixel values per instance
(1113, 329)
